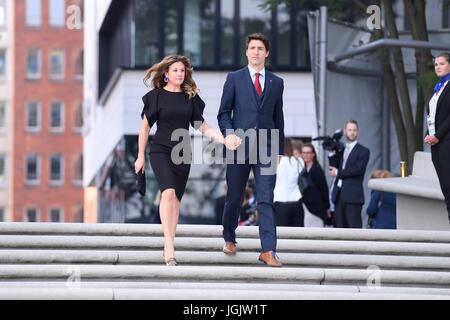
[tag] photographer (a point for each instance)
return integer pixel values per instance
(348, 166)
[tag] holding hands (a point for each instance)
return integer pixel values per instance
(232, 141)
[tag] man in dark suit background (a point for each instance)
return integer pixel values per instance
(349, 168)
(252, 101)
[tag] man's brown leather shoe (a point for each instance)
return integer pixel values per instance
(229, 248)
(269, 259)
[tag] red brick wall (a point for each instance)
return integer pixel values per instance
(70, 91)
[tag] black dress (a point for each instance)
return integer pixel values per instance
(171, 111)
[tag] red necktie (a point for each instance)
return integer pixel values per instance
(258, 85)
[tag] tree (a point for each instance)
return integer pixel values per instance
(409, 126)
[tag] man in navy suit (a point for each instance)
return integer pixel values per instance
(349, 167)
(252, 101)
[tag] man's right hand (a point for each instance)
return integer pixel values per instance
(232, 141)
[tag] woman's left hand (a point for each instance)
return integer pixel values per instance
(431, 140)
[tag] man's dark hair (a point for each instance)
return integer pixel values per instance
(446, 55)
(351, 121)
(261, 37)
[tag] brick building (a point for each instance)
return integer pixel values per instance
(47, 96)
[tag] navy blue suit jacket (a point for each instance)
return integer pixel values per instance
(352, 176)
(241, 108)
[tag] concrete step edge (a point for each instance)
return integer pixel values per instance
(23, 228)
(211, 294)
(211, 244)
(77, 273)
(214, 257)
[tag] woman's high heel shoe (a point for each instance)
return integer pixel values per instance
(170, 262)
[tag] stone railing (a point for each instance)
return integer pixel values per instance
(420, 202)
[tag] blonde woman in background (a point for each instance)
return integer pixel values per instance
(382, 205)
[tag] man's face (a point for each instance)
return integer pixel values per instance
(256, 53)
(351, 132)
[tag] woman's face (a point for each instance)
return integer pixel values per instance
(176, 73)
(441, 67)
(307, 154)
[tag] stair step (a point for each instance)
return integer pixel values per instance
(226, 273)
(20, 228)
(218, 258)
(193, 294)
(214, 244)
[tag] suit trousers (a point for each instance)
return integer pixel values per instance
(347, 215)
(237, 176)
(440, 155)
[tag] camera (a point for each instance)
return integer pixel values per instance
(332, 143)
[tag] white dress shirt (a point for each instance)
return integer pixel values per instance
(262, 76)
(286, 187)
(433, 103)
(349, 147)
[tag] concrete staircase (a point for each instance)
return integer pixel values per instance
(124, 261)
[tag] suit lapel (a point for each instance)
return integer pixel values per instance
(249, 85)
(446, 90)
(267, 88)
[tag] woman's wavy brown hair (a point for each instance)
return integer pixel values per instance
(159, 69)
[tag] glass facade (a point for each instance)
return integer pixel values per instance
(199, 38)
(212, 33)
(146, 39)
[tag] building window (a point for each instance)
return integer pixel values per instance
(57, 117)
(33, 13)
(199, 37)
(78, 170)
(2, 169)
(171, 27)
(2, 116)
(446, 14)
(34, 63)
(57, 60)
(2, 63)
(3, 14)
(79, 65)
(146, 35)
(2, 214)
(31, 215)
(56, 215)
(253, 19)
(56, 169)
(284, 35)
(33, 117)
(57, 13)
(227, 32)
(78, 118)
(33, 169)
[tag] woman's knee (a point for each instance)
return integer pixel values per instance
(169, 195)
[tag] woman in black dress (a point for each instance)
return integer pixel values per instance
(173, 104)
(315, 198)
